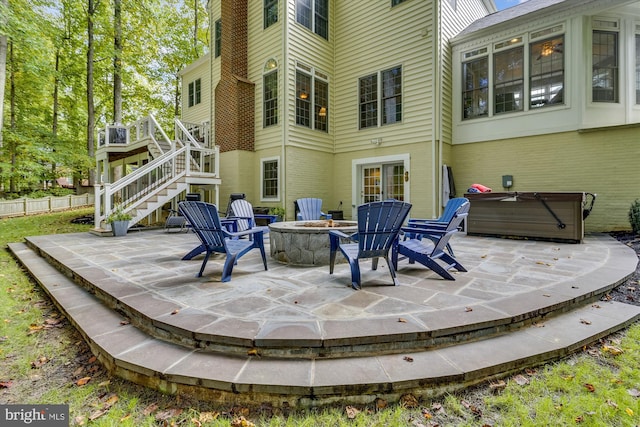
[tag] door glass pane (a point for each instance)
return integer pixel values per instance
(394, 182)
(371, 191)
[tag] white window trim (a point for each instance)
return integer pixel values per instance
(262, 162)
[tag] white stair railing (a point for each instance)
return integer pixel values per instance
(133, 190)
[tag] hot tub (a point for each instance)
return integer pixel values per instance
(305, 243)
(553, 216)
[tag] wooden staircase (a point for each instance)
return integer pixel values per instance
(175, 166)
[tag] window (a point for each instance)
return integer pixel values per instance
(270, 87)
(389, 98)
(396, 2)
(605, 66)
(270, 178)
(475, 92)
(218, 38)
(637, 69)
(546, 81)
(314, 14)
(306, 98)
(499, 85)
(270, 12)
(508, 80)
(194, 93)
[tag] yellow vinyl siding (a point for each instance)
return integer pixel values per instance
(371, 37)
(264, 44)
(602, 162)
(314, 51)
(198, 113)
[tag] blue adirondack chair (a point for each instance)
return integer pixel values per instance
(437, 223)
(378, 228)
(242, 213)
(310, 209)
(205, 222)
(429, 251)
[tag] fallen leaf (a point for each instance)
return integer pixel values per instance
(579, 419)
(496, 387)
(521, 380)
(124, 322)
(169, 413)
(408, 359)
(634, 392)
(253, 352)
(111, 401)
(83, 381)
(595, 306)
(79, 420)
(409, 401)
(206, 417)
(590, 388)
(468, 309)
(538, 324)
(531, 372)
(585, 321)
(629, 411)
(615, 351)
(176, 311)
(612, 403)
(38, 363)
(104, 383)
(150, 409)
(97, 415)
(401, 320)
(351, 412)
(6, 384)
(546, 295)
(381, 404)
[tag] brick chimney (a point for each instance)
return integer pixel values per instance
(234, 93)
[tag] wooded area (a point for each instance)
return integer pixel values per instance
(69, 67)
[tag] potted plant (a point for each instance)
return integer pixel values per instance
(119, 220)
(277, 211)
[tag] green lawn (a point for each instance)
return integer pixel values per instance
(43, 360)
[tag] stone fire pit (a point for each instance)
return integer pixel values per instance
(305, 243)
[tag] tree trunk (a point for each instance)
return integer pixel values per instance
(12, 115)
(3, 62)
(54, 124)
(91, 114)
(195, 28)
(117, 61)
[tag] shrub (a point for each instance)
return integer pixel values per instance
(634, 216)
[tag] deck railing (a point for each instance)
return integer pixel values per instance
(131, 191)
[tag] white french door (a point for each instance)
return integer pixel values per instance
(382, 181)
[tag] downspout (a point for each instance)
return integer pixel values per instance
(285, 98)
(434, 110)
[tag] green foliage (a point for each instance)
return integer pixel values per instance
(634, 216)
(119, 214)
(277, 210)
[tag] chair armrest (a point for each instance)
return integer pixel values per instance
(245, 232)
(327, 216)
(423, 230)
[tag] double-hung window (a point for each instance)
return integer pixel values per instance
(218, 38)
(195, 96)
(269, 172)
(380, 98)
(312, 98)
(605, 56)
(270, 88)
(270, 12)
(314, 14)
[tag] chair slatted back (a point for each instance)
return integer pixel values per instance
(452, 227)
(378, 226)
(310, 209)
(244, 209)
(205, 221)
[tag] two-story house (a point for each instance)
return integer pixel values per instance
(354, 101)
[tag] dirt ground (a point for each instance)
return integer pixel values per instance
(629, 291)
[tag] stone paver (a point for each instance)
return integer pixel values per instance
(303, 336)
